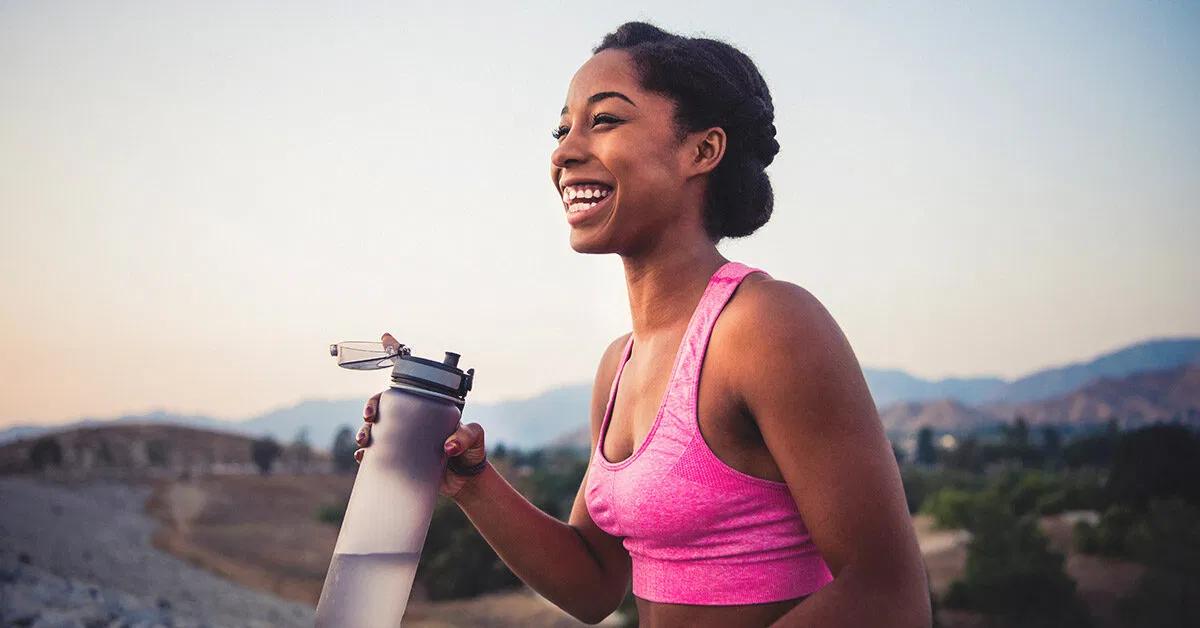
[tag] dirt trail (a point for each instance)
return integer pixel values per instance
(98, 532)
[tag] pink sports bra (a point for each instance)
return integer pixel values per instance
(699, 531)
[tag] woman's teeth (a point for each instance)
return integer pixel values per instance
(578, 198)
(578, 207)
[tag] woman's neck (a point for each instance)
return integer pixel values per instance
(665, 283)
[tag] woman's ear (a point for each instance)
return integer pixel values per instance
(708, 147)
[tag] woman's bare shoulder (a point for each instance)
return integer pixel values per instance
(773, 306)
(605, 372)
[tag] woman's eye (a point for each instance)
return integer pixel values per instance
(604, 118)
(559, 132)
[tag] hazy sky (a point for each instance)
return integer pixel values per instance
(198, 198)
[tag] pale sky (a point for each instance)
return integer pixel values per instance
(198, 198)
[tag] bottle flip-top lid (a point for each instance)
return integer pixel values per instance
(407, 370)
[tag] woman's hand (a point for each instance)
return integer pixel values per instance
(465, 444)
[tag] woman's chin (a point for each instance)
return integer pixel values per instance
(584, 242)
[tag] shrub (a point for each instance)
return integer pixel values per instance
(1012, 575)
(950, 508)
(46, 452)
(1167, 540)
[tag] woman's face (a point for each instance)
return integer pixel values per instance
(619, 166)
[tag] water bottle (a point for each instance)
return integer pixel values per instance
(375, 559)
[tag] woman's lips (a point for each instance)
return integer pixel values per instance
(580, 216)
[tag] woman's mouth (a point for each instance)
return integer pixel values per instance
(585, 200)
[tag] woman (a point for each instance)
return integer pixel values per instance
(738, 464)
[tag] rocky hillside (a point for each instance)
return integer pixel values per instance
(136, 449)
(1158, 395)
(1166, 395)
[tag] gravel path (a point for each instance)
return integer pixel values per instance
(59, 539)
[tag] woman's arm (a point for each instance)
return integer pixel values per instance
(805, 389)
(577, 566)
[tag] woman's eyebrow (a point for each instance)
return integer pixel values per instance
(598, 96)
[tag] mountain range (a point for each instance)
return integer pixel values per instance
(1156, 378)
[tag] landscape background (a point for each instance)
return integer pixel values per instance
(997, 203)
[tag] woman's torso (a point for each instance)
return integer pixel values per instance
(725, 424)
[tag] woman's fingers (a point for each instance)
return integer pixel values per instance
(358, 454)
(371, 411)
(363, 438)
(465, 438)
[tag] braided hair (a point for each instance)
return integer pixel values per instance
(712, 84)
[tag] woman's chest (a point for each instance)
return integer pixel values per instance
(716, 409)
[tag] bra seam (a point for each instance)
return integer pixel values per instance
(695, 404)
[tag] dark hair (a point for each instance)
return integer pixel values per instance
(712, 84)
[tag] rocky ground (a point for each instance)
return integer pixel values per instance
(80, 555)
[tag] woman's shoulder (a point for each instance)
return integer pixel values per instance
(774, 308)
(605, 373)
(612, 356)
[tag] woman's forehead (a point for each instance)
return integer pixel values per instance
(606, 71)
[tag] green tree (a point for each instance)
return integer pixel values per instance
(46, 452)
(158, 452)
(1093, 450)
(264, 451)
(1052, 445)
(1161, 460)
(1167, 540)
(342, 449)
(1016, 436)
(302, 449)
(951, 508)
(456, 561)
(926, 451)
(1012, 575)
(966, 457)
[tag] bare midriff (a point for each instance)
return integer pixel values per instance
(659, 615)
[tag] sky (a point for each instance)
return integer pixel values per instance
(196, 199)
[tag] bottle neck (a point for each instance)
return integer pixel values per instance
(428, 393)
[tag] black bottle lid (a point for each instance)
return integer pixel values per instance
(443, 377)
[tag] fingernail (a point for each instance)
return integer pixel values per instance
(370, 410)
(452, 447)
(358, 456)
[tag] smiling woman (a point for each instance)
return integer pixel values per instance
(739, 474)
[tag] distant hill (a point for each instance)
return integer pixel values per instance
(889, 386)
(133, 448)
(1164, 395)
(534, 422)
(523, 423)
(1156, 395)
(943, 415)
(558, 415)
(1152, 355)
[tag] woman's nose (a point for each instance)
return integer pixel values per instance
(571, 150)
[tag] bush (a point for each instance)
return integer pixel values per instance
(950, 508)
(920, 484)
(332, 514)
(1159, 461)
(456, 561)
(342, 449)
(1167, 540)
(46, 452)
(1109, 536)
(1012, 575)
(264, 451)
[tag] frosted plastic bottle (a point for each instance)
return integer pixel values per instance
(371, 573)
